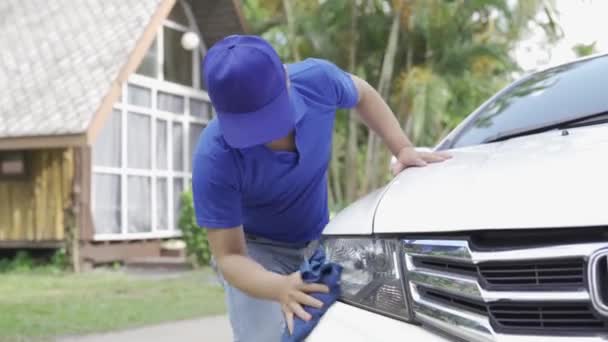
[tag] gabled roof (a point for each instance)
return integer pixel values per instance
(60, 59)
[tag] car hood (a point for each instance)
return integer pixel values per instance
(546, 180)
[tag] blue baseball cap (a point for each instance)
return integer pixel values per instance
(247, 84)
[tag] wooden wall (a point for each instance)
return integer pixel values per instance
(33, 209)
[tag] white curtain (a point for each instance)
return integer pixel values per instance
(200, 109)
(106, 149)
(178, 146)
(161, 145)
(107, 201)
(178, 188)
(139, 204)
(170, 103)
(138, 137)
(139, 96)
(162, 205)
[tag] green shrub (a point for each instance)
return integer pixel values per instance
(59, 260)
(22, 262)
(195, 237)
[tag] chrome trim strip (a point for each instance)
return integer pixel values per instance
(468, 326)
(543, 338)
(448, 325)
(445, 282)
(459, 250)
(554, 252)
(470, 288)
(594, 282)
(477, 328)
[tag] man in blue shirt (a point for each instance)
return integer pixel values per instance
(259, 176)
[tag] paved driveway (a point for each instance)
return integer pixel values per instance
(211, 329)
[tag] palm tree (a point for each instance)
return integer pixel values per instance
(433, 60)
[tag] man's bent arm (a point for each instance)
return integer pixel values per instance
(230, 252)
(378, 116)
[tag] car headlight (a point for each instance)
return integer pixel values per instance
(371, 275)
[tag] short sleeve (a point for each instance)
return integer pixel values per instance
(340, 86)
(216, 191)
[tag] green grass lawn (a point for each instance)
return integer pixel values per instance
(41, 306)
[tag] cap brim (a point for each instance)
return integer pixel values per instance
(272, 122)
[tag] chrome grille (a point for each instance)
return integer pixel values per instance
(550, 274)
(489, 296)
(567, 317)
(455, 301)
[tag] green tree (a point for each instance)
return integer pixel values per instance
(195, 237)
(434, 61)
(582, 50)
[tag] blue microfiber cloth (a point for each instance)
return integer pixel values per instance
(316, 270)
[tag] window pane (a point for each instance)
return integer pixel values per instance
(106, 150)
(201, 79)
(178, 14)
(177, 66)
(178, 188)
(106, 210)
(178, 146)
(148, 65)
(138, 207)
(200, 109)
(139, 96)
(161, 144)
(138, 137)
(195, 132)
(170, 103)
(162, 205)
(13, 164)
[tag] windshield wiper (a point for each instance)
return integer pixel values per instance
(586, 120)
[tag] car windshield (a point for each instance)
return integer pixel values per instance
(555, 95)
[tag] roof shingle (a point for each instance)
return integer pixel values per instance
(58, 59)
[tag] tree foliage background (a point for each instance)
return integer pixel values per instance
(433, 61)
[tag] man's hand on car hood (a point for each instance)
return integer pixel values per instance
(410, 157)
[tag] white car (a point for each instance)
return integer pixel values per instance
(507, 241)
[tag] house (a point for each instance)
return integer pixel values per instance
(101, 105)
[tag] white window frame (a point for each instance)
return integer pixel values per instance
(156, 85)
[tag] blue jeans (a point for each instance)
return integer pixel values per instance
(258, 320)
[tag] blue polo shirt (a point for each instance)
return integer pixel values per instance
(277, 195)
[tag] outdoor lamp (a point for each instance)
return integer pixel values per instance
(190, 41)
